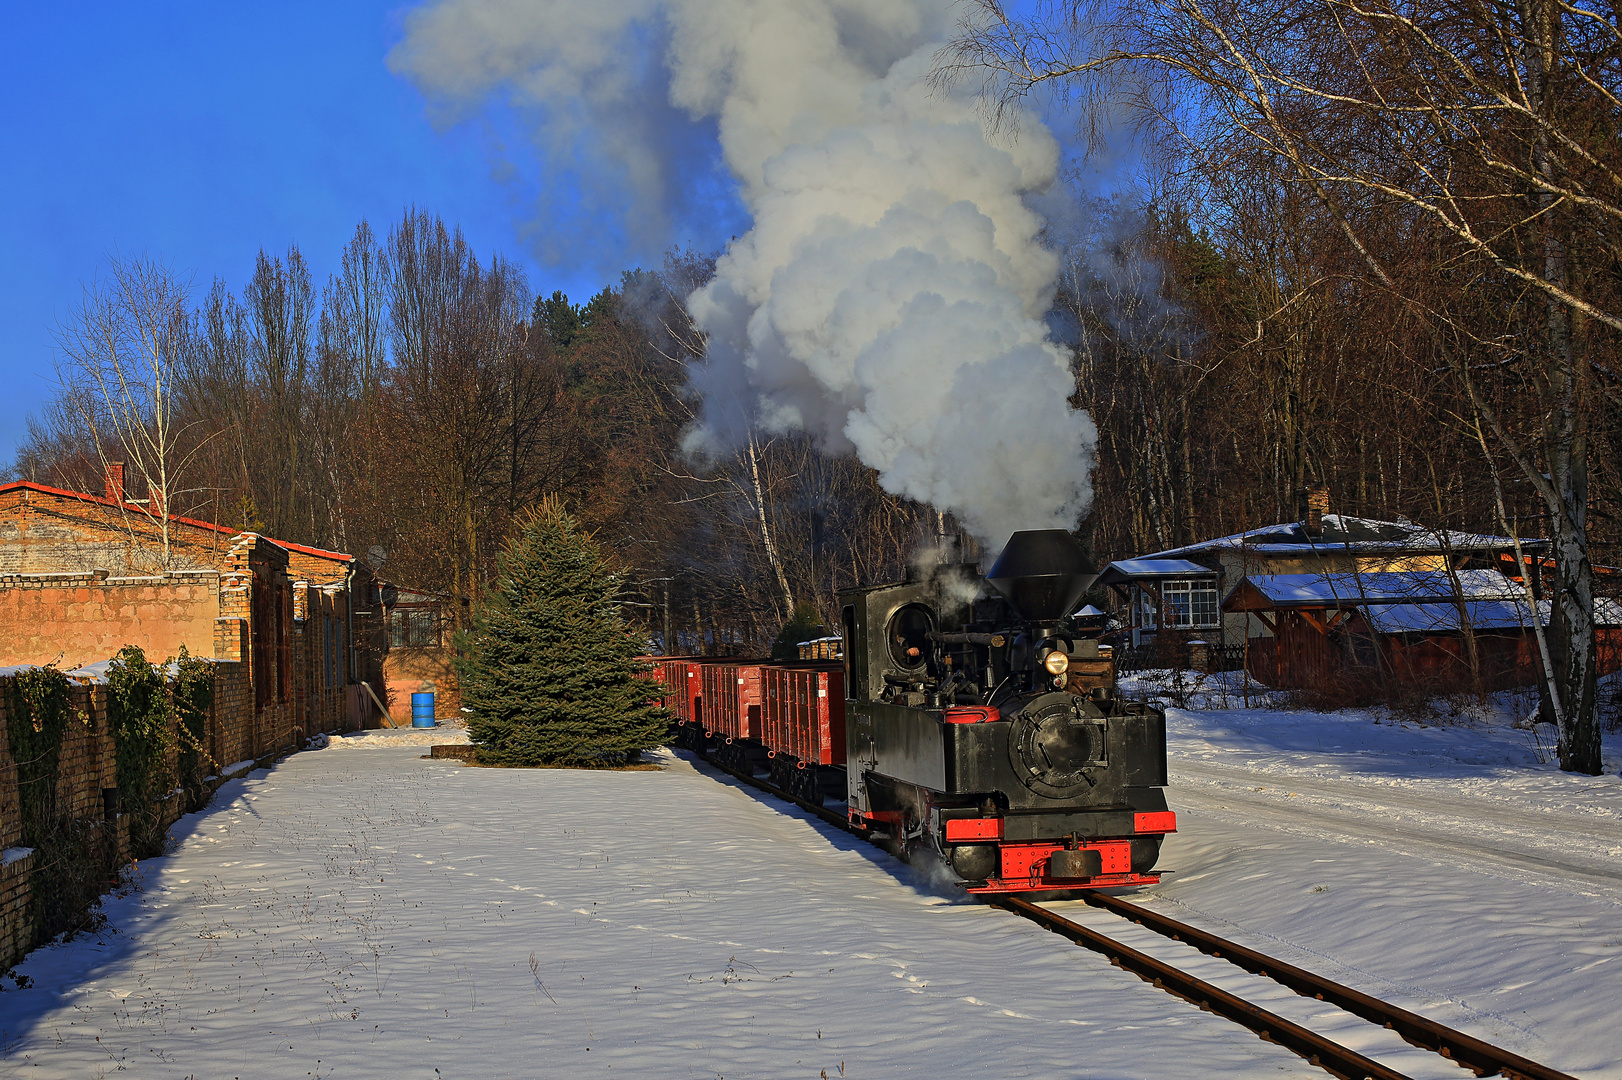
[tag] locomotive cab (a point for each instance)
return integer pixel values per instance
(982, 726)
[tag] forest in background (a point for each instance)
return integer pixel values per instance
(417, 403)
(422, 399)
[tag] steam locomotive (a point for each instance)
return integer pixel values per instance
(979, 725)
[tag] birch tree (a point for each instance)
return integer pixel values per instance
(117, 383)
(1484, 130)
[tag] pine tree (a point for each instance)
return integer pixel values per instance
(803, 624)
(549, 669)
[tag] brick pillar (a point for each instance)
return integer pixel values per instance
(231, 639)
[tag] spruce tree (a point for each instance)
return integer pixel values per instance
(803, 624)
(549, 670)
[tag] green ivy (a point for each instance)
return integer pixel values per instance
(37, 710)
(193, 696)
(73, 860)
(140, 712)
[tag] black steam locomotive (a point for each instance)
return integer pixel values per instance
(969, 733)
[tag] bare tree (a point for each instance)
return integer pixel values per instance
(117, 384)
(455, 328)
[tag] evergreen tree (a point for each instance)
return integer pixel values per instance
(549, 668)
(803, 625)
(561, 319)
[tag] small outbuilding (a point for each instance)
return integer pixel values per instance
(1417, 627)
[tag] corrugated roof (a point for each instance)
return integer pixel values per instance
(1386, 587)
(1344, 533)
(142, 508)
(1135, 569)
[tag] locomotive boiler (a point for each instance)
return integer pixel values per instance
(973, 733)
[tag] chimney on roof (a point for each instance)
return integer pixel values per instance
(115, 481)
(1315, 498)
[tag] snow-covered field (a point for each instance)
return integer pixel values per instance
(380, 914)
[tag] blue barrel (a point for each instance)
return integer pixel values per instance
(422, 710)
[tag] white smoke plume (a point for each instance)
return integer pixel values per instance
(890, 295)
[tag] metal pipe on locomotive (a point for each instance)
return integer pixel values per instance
(970, 730)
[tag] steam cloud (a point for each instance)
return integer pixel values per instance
(890, 295)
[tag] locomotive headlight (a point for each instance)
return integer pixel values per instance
(1056, 662)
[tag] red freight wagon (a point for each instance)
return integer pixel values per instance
(680, 674)
(731, 692)
(671, 671)
(803, 708)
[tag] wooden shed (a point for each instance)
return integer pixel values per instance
(1409, 626)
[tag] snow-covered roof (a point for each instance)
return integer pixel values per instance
(1442, 617)
(1406, 602)
(1344, 533)
(1506, 614)
(1136, 569)
(1357, 590)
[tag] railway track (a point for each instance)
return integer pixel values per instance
(1466, 1051)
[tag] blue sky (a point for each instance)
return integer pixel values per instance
(199, 133)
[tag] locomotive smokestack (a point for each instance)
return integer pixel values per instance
(1043, 573)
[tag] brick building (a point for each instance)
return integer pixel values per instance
(417, 650)
(82, 575)
(298, 637)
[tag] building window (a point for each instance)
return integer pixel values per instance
(1190, 603)
(1144, 612)
(413, 628)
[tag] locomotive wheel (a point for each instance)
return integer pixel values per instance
(1145, 853)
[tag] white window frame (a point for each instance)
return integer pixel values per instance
(1191, 603)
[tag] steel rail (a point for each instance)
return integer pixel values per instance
(1483, 1058)
(1466, 1051)
(1317, 1049)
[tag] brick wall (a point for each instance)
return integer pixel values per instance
(42, 531)
(74, 619)
(325, 568)
(66, 599)
(233, 735)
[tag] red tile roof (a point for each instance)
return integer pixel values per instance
(84, 496)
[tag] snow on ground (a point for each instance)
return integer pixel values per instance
(446, 731)
(381, 914)
(1442, 866)
(384, 915)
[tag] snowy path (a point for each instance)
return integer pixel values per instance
(378, 914)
